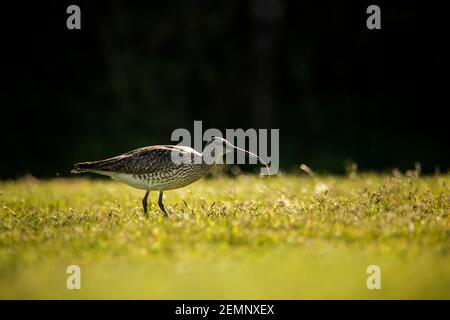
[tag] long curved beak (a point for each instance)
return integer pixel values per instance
(255, 156)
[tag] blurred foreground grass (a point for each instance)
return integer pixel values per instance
(288, 237)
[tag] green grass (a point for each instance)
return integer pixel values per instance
(288, 237)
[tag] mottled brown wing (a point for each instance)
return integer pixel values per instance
(145, 160)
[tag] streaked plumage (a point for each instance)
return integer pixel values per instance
(150, 168)
(155, 169)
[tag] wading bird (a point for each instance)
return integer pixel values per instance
(162, 167)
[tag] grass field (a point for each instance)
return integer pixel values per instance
(288, 237)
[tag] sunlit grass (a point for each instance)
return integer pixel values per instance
(288, 237)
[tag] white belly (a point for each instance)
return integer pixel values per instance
(130, 180)
(171, 179)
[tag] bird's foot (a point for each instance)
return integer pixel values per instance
(164, 211)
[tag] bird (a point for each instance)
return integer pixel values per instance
(162, 167)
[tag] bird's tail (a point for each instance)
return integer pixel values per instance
(84, 167)
(98, 166)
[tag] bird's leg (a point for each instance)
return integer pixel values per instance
(144, 203)
(160, 203)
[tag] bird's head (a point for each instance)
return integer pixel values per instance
(216, 147)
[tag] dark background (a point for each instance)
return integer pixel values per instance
(136, 71)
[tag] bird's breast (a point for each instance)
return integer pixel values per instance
(173, 178)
